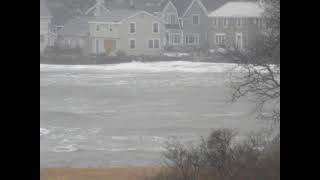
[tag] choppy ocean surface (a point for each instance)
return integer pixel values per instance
(122, 114)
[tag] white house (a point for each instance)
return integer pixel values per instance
(45, 21)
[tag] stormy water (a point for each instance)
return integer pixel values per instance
(123, 114)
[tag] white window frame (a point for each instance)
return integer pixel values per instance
(153, 43)
(135, 28)
(194, 15)
(223, 42)
(155, 22)
(172, 38)
(225, 22)
(168, 20)
(135, 43)
(194, 35)
(150, 40)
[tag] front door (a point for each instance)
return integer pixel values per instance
(109, 45)
(239, 41)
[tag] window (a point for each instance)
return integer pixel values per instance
(220, 39)
(132, 43)
(132, 28)
(239, 22)
(98, 28)
(255, 21)
(214, 21)
(155, 27)
(195, 19)
(192, 39)
(154, 43)
(225, 22)
(175, 38)
(151, 44)
(172, 19)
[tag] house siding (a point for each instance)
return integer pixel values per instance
(44, 32)
(143, 34)
(202, 28)
(121, 35)
(249, 30)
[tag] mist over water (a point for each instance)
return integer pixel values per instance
(122, 114)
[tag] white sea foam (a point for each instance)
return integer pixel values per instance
(44, 131)
(120, 138)
(172, 66)
(67, 148)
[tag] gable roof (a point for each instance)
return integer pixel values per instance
(192, 3)
(77, 26)
(117, 16)
(181, 6)
(212, 5)
(44, 11)
(98, 9)
(238, 9)
(114, 16)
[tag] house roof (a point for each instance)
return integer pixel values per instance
(118, 15)
(181, 5)
(238, 9)
(150, 6)
(115, 15)
(76, 26)
(44, 11)
(212, 5)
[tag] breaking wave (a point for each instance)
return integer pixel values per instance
(44, 131)
(172, 66)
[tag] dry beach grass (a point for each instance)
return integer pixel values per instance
(116, 173)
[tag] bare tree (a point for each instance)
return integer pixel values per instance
(261, 63)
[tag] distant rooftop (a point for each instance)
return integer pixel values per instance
(238, 9)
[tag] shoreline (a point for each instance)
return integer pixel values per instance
(114, 173)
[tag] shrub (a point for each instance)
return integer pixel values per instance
(121, 54)
(220, 157)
